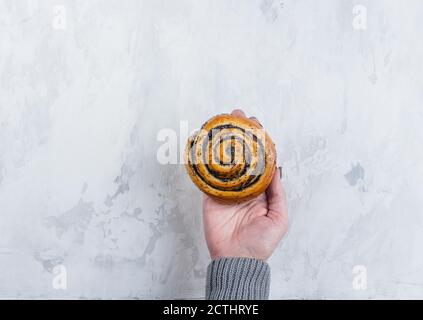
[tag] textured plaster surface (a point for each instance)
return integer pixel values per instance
(82, 102)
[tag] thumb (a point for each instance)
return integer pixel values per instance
(276, 199)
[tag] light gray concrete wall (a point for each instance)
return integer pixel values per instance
(85, 87)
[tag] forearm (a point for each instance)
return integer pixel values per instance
(237, 279)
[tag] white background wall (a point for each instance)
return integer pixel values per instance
(85, 87)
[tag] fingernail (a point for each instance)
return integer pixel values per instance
(256, 120)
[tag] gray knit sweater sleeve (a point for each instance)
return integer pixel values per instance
(237, 279)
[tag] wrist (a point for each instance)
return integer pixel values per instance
(238, 253)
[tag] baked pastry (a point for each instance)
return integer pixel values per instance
(231, 159)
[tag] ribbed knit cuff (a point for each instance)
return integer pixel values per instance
(237, 279)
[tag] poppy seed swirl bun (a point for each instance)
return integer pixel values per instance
(231, 159)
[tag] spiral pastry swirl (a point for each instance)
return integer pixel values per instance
(231, 159)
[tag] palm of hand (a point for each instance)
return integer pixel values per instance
(248, 229)
(251, 229)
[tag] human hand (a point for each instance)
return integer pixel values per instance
(250, 229)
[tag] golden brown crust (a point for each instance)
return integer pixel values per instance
(231, 159)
